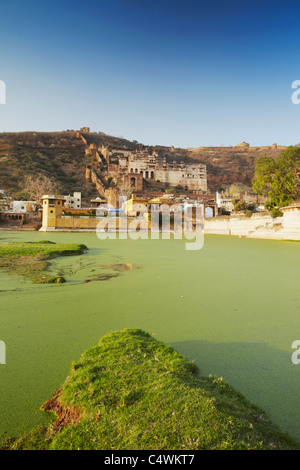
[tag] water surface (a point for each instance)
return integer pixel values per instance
(233, 307)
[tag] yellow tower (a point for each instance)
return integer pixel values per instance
(52, 208)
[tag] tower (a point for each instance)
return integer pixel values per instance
(52, 208)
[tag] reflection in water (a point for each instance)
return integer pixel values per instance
(118, 268)
(10, 290)
(84, 270)
(101, 277)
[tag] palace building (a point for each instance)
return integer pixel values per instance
(139, 165)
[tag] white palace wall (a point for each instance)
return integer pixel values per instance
(258, 226)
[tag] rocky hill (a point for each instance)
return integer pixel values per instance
(58, 155)
(227, 165)
(61, 155)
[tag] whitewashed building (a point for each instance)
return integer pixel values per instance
(73, 202)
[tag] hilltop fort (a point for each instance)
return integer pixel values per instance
(94, 162)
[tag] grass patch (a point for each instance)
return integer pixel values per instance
(133, 392)
(31, 259)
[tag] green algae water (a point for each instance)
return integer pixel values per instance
(233, 307)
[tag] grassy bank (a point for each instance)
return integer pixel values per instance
(31, 259)
(134, 392)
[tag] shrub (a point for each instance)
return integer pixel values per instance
(275, 212)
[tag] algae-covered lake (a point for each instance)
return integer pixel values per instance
(233, 307)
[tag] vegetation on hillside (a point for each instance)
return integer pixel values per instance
(133, 392)
(30, 259)
(56, 156)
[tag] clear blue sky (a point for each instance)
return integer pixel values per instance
(169, 72)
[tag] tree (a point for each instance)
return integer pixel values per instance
(279, 180)
(126, 189)
(239, 205)
(37, 186)
(21, 196)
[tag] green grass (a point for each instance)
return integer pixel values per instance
(30, 259)
(133, 392)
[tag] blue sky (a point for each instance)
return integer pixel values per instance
(169, 72)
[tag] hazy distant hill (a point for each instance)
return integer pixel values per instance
(61, 156)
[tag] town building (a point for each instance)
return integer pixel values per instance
(224, 201)
(73, 202)
(56, 216)
(98, 202)
(23, 207)
(5, 203)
